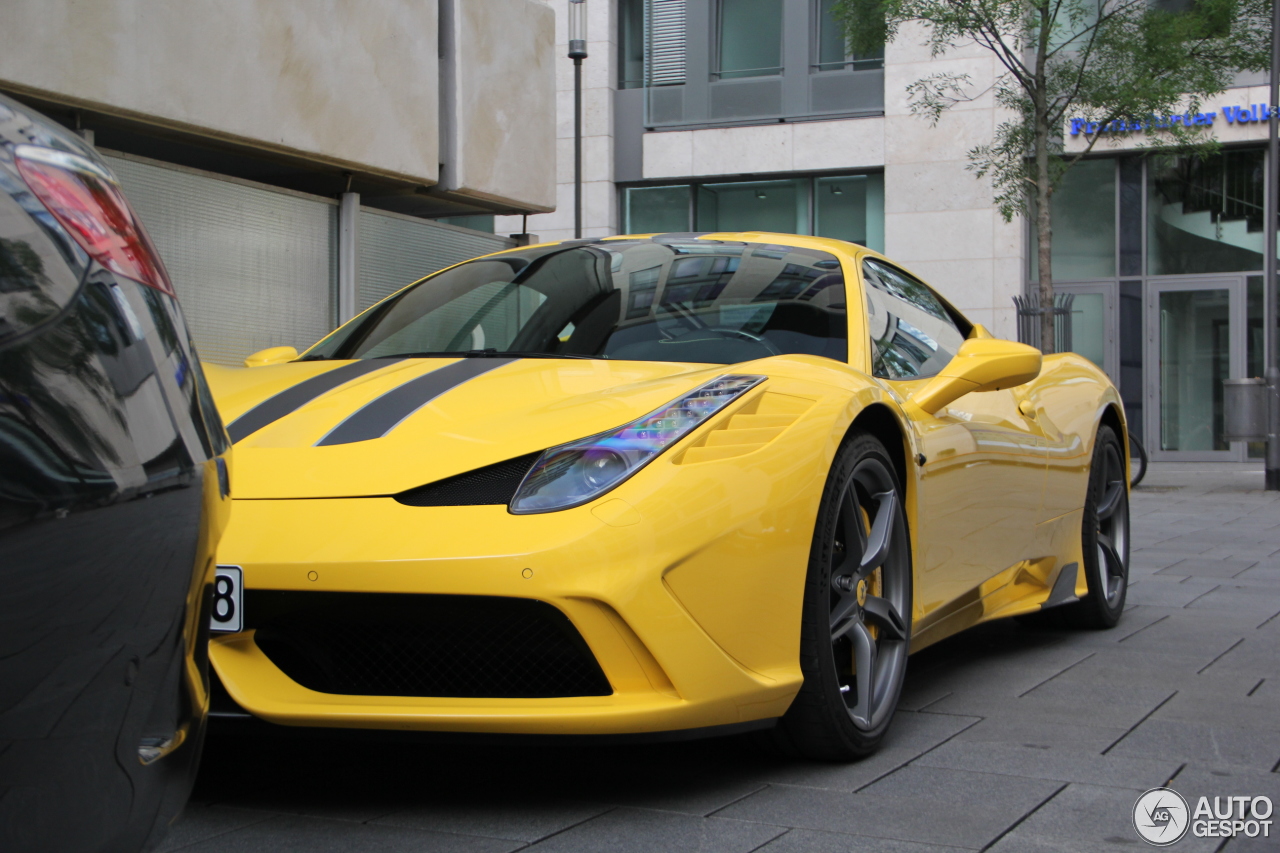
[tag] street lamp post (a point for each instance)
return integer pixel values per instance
(577, 52)
(1271, 302)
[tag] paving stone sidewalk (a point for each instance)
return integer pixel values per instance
(1008, 738)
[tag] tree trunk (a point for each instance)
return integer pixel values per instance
(1044, 237)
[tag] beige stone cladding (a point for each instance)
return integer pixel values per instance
(599, 80)
(505, 107)
(940, 220)
(350, 83)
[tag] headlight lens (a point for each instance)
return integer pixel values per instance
(574, 473)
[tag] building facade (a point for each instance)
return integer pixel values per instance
(706, 115)
(297, 160)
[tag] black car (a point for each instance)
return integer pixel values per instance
(113, 492)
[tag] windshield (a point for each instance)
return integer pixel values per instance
(650, 300)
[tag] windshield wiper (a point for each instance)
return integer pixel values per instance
(486, 353)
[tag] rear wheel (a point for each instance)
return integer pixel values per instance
(856, 624)
(1105, 537)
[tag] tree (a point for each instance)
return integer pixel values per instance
(1118, 65)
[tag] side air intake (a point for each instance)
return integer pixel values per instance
(493, 484)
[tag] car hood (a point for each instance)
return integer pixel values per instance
(324, 429)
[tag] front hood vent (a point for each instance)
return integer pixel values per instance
(493, 484)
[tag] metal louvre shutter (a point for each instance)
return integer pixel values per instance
(253, 267)
(398, 250)
(664, 40)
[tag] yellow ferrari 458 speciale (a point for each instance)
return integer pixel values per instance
(650, 484)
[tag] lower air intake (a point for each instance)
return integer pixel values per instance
(376, 644)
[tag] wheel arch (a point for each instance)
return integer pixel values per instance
(878, 420)
(1113, 417)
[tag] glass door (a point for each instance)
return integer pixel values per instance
(1195, 340)
(1094, 324)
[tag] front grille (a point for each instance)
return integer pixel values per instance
(493, 484)
(465, 646)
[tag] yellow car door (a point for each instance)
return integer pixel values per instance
(982, 476)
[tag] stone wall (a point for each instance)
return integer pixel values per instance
(941, 221)
(599, 81)
(502, 77)
(351, 83)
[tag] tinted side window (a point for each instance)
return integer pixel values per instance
(912, 335)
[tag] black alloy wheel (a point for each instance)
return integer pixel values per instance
(856, 626)
(1105, 537)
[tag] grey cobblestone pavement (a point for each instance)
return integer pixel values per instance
(1009, 738)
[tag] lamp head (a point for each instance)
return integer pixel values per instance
(577, 29)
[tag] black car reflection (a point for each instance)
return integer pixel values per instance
(113, 491)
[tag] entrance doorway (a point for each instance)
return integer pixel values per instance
(1195, 339)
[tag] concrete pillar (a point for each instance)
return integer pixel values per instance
(348, 256)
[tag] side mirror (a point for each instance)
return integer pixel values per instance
(271, 355)
(982, 364)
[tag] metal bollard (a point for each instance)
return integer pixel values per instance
(1245, 407)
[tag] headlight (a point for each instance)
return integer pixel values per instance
(574, 473)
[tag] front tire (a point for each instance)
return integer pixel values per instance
(1104, 537)
(856, 625)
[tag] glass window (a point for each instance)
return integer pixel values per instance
(1084, 224)
(781, 206)
(1130, 235)
(750, 38)
(850, 208)
(655, 210)
(478, 222)
(1205, 214)
(482, 308)
(699, 301)
(833, 52)
(630, 44)
(1254, 301)
(1194, 360)
(1088, 327)
(912, 333)
(1073, 23)
(1174, 7)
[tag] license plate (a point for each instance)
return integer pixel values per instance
(228, 598)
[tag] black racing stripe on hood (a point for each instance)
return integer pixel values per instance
(290, 400)
(380, 416)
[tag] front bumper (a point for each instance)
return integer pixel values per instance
(691, 629)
